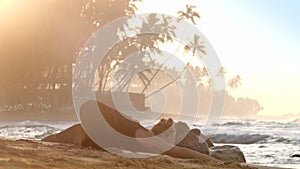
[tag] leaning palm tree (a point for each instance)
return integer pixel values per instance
(150, 43)
(168, 33)
(197, 46)
(147, 45)
(167, 29)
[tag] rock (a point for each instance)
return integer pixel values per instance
(296, 156)
(73, 135)
(227, 153)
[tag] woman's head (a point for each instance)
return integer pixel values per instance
(182, 129)
(165, 129)
(196, 132)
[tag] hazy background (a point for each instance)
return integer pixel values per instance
(258, 40)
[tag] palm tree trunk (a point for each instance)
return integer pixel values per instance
(171, 82)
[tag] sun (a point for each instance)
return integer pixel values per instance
(5, 5)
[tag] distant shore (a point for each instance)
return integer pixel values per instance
(37, 154)
(63, 114)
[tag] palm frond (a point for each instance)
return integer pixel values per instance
(189, 14)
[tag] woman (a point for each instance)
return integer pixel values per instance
(131, 128)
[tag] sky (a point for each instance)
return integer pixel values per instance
(256, 39)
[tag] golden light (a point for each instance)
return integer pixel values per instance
(6, 9)
(5, 4)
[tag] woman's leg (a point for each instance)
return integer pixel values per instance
(175, 151)
(182, 152)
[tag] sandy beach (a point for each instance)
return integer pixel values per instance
(37, 154)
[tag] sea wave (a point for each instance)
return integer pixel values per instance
(25, 125)
(251, 139)
(236, 124)
(281, 140)
(238, 139)
(27, 130)
(231, 124)
(250, 123)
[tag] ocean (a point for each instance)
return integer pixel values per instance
(263, 142)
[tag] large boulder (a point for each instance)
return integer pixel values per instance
(227, 153)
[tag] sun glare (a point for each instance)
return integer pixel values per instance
(5, 8)
(5, 4)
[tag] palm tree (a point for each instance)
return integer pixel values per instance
(147, 44)
(189, 14)
(222, 72)
(127, 71)
(167, 33)
(150, 43)
(196, 46)
(47, 54)
(235, 82)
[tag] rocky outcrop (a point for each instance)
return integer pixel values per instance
(227, 153)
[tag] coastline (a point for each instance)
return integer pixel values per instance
(37, 154)
(63, 114)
